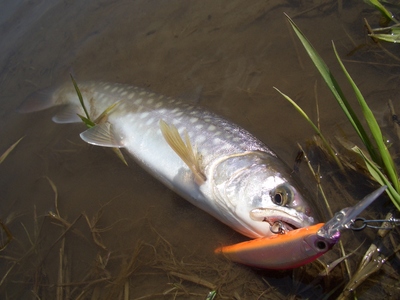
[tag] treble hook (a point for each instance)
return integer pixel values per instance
(361, 223)
(277, 227)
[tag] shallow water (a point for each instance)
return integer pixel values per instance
(236, 52)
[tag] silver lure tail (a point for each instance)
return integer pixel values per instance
(345, 217)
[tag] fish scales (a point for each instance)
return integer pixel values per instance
(209, 132)
(246, 186)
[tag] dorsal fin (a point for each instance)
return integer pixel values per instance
(102, 135)
(184, 150)
(193, 96)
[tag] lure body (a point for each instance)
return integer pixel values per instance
(290, 250)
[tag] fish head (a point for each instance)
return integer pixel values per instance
(266, 199)
(282, 206)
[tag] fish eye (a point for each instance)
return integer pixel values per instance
(278, 198)
(281, 195)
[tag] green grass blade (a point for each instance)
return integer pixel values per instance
(391, 38)
(78, 92)
(106, 112)
(304, 114)
(386, 161)
(379, 177)
(335, 89)
(9, 150)
(387, 14)
(118, 152)
(86, 121)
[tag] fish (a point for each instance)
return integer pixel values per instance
(213, 163)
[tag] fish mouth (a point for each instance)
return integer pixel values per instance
(279, 227)
(281, 221)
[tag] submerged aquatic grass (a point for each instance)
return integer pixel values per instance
(146, 267)
(9, 150)
(381, 165)
(5, 229)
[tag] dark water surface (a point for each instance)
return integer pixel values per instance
(122, 233)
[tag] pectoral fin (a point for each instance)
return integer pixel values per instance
(102, 135)
(184, 150)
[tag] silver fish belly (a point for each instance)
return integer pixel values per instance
(213, 163)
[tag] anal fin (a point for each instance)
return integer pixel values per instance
(184, 150)
(68, 114)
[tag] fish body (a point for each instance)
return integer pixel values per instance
(234, 176)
